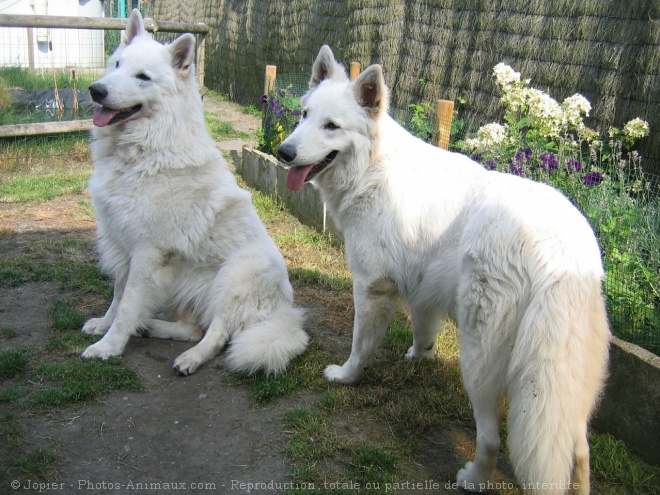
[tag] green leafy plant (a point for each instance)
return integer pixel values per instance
(281, 116)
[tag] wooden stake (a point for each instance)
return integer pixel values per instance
(444, 113)
(355, 70)
(269, 80)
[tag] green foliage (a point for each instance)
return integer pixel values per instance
(421, 123)
(282, 113)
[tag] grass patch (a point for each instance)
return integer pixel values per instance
(10, 395)
(42, 188)
(222, 130)
(38, 463)
(8, 333)
(614, 466)
(13, 363)
(44, 155)
(254, 110)
(64, 316)
(84, 380)
(73, 270)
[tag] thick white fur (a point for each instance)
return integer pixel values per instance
(511, 260)
(175, 230)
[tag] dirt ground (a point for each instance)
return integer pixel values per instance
(200, 434)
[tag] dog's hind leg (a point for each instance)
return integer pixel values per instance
(174, 330)
(426, 324)
(214, 340)
(375, 303)
(487, 317)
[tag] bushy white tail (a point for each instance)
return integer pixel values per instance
(556, 376)
(269, 345)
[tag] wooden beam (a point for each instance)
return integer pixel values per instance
(39, 129)
(56, 21)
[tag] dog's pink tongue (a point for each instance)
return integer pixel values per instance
(103, 115)
(297, 175)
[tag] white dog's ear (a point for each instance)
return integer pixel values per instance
(135, 27)
(370, 90)
(326, 67)
(183, 53)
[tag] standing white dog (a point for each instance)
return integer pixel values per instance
(174, 229)
(511, 260)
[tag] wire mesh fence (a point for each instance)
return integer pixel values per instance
(623, 207)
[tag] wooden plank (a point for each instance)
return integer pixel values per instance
(42, 128)
(55, 21)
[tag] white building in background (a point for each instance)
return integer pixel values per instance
(52, 48)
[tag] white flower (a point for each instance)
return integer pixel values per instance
(472, 144)
(505, 75)
(545, 114)
(636, 129)
(573, 107)
(491, 134)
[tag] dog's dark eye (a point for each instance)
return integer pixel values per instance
(331, 126)
(143, 77)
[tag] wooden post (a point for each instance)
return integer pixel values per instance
(269, 80)
(355, 70)
(201, 50)
(444, 113)
(269, 85)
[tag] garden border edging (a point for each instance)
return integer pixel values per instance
(629, 409)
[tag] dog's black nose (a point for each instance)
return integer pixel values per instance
(286, 153)
(98, 92)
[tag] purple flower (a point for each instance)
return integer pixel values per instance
(490, 164)
(263, 99)
(276, 107)
(549, 162)
(292, 92)
(281, 93)
(516, 169)
(573, 165)
(477, 157)
(593, 179)
(522, 158)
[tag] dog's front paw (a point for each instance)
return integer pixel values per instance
(96, 326)
(469, 478)
(341, 374)
(186, 364)
(101, 350)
